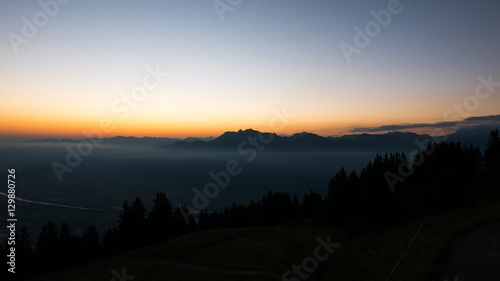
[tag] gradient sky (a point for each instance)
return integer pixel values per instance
(231, 74)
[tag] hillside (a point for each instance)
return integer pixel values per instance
(265, 253)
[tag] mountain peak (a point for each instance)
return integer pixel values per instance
(303, 134)
(239, 134)
(250, 130)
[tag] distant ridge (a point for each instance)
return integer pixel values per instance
(303, 141)
(477, 135)
(308, 141)
(121, 140)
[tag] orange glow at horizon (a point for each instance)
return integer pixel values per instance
(63, 122)
(53, 126)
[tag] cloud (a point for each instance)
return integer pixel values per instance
(483, 120)
(471, 121)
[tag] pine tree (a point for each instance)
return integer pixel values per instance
(180, 227)
(110, 242)
(67, 247)
(91, 244)
(24, 254)
(46, 248)
(337, 197)
(492, 154)
(132, 223)
(160, 220)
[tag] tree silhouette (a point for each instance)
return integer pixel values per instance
(24, 254)
(160, 219)
(338, 198)
(313, 207)
(46, 252)
(90, 243)
(180, 226)
(492, 155)
(131, 225)
(111, 243)
(67, 245)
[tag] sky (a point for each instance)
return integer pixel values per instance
(68, 67)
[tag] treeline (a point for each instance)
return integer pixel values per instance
(57, 248)
(389, 190)
(272, 209)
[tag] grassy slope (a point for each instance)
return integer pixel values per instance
(276, 249)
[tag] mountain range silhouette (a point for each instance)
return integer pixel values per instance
(301, 141)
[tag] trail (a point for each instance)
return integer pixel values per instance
(474, 256)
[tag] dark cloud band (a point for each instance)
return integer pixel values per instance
(476, 121)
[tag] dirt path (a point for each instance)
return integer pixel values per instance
(474, 256)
